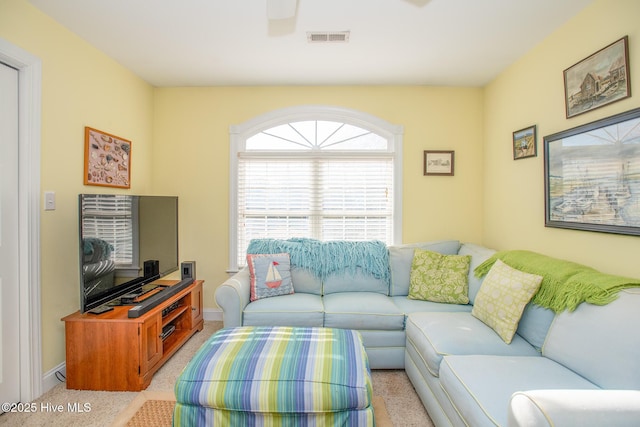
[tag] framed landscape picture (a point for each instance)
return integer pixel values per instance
(592, 176)
(438, 162)
(524, 143)
(598, 80)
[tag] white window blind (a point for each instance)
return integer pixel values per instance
(326, 199)
(357, 199)
(110, 218)
(316, 179)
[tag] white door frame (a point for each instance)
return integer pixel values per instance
(30, 95)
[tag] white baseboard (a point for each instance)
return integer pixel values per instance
(50, 380)
(212, 314)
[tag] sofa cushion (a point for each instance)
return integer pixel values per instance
(534, 324)
(601, 343)
(304, 281)
(480, 386)
(502, 298)
(401, 257)
(408, 306)
(355, 282)
(362, 310)
(439, 278)
(595, 408)
(479, 254)
(298, 309)
(435, 335)
(270, 275)
(383, 339)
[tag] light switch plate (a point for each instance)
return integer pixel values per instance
(49, 201)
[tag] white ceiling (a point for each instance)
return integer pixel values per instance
(392, 42)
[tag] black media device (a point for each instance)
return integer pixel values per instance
(151, 268)
(101, 309)
(188, 270)
(156, 299)
(126, 243)
(167, 330)
(129, 298)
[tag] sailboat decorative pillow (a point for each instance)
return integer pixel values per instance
(270, 275)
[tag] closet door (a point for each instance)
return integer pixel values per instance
(9, 248)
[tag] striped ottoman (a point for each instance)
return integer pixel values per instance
(276, 376)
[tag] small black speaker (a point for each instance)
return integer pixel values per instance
(151, 268)
(188, 270)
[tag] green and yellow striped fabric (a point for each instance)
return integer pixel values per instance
(277, 376)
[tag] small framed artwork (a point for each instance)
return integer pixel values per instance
(438, 162)
(107, 159)
(525, 143)
(598, 80)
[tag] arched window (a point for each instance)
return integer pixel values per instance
(320, 172)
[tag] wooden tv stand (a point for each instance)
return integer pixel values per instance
(113, 352)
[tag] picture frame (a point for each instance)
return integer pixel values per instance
(107, 159)
(598, 80)
(525, 143)
(439, 162)
(592, 176)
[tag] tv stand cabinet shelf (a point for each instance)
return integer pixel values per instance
(113, 352)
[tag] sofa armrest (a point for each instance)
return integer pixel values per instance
(232, 296)
(574, 408)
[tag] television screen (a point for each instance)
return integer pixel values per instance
(126, 243)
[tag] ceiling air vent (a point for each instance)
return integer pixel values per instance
(328, 36)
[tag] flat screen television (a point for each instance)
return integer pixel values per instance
(126, 243)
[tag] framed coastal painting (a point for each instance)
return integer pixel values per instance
(438, 162)
(592, 176)
(524, 143)
(598, 80)
(107, 159)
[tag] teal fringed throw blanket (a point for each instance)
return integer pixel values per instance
(325, 258)
(565, 284)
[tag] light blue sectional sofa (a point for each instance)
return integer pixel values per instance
(574, 368)
(350, 299)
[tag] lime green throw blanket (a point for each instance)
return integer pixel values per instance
(564, 284)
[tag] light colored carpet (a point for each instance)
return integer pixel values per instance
(401, 401)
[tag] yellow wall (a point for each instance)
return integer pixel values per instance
(532, 92)
(189, 129)
(191, 158)
(80, 87)
(180, 146)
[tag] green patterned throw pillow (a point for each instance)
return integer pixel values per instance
(502, 297)
(439, 278)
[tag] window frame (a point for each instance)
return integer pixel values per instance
(238, 135)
